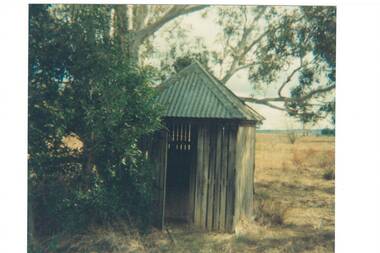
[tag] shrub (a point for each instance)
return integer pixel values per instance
(269, 212)
(81, 85)
(328, 132)
(292, 136)
(327, 160)
(329, 174)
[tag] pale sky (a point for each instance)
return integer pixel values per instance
(207, 29)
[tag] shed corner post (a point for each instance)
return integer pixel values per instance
(159, 150)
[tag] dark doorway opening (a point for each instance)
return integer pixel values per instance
(181, 156)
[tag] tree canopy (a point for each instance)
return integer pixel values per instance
(283, 48)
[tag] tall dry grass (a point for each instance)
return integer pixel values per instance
(293, 210)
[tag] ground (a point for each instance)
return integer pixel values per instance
(294, 208)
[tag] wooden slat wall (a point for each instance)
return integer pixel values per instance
(205, 172)
(221, 175)
(244, 172)
(218, 158)
(230, 202)
(211, 183)
(158, 154)
(192, 177)
(215, 182)
(199, 179)
(223, 180)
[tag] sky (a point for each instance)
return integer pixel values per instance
(207, 29)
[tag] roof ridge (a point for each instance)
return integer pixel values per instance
(204, 100)
(223, 88)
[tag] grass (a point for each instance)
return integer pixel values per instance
(293, 209)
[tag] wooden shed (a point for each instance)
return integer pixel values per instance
(205, 158)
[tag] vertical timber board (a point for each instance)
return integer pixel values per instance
(248, 198)
(254, 161)
(192, 177)
(205, 172)
(198, 177)
(240, 147)
(244, 173)
(223, 191)
(230, 202)
(159, 159)
(210, 201)
(218, 149)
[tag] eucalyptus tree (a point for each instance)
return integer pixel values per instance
(285, 48)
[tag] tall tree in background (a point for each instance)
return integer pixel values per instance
(141, 22)
(288, 49)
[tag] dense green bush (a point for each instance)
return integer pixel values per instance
(81, 84)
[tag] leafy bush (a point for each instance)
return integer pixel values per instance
(80, 84)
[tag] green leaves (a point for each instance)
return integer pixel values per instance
(80, 84)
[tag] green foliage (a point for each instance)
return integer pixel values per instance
(269, 42)
(328, 132)
(184, 61)
(80, 84)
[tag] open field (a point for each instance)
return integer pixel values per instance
(294, 208)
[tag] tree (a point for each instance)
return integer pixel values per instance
(291, 49)
(141, 21)
(80, 85)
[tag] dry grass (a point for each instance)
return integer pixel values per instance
(293, 209)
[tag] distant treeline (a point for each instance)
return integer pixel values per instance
(314, 132)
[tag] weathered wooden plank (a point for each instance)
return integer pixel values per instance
(158, 155)
(244, 173)
(254, 160)
(240, 139)
(206, 156)
(198, 178)
(210, 201)
(212, 168)
(223, 191)
(217, 178)
(192, 177)
(230, 203)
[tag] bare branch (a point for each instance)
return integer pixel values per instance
(315, 92)
(267, 103)
(233, 71)
(289, 78)
(286, 100)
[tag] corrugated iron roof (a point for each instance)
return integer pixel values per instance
(195, 93)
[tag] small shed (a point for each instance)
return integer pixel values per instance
(205, 158)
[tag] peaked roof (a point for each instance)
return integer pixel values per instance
(195, 93)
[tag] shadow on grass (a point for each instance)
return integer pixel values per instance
(302, 243)
(284, 186)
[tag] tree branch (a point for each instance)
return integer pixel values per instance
(174, 12)
(286, 100)
(289, 78)
(267, 103)
(233, 71)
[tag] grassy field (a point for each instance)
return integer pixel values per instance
(294, 208)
